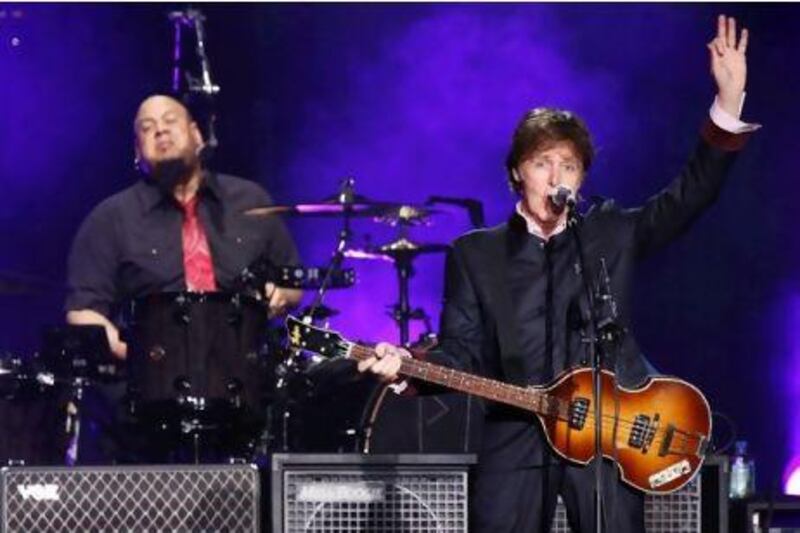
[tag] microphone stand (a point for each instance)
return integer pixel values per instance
(601, 330)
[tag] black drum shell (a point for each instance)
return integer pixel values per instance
(208, 341)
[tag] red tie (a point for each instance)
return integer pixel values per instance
(197, 264)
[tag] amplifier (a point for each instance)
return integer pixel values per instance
(130, 498)
(376, 493)
(701, 506)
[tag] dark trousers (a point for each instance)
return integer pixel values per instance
(518, 479)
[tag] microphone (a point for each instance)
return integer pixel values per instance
(562, 197)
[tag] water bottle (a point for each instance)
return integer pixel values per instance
(743, 472)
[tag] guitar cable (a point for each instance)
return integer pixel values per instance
(733, 429)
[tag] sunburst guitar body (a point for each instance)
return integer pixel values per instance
(657, 434)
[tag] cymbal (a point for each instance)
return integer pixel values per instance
(392, 213)
(333, 206)
(408, 215)
(402, 247)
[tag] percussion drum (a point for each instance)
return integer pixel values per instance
(195, 364)
(340, 411)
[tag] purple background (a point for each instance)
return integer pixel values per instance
(417, 100)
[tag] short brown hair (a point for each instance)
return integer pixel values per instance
(544, 125)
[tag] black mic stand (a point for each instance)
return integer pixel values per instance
(601, 330)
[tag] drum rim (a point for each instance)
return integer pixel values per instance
(197, 297)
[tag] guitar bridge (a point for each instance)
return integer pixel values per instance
(669, 433)
(578, 410)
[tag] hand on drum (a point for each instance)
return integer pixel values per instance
(385, 365)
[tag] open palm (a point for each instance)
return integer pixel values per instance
(729, 63)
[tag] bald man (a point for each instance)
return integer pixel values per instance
(134, 243)
(179, 228)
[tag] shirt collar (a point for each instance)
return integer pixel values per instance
(534, 228)
(152, 196)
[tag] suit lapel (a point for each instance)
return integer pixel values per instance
(505, 245)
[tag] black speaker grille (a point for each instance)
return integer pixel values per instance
(375, 501)
(153, 498)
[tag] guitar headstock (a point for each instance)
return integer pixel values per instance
(320, 341)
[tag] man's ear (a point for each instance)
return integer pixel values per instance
(197, 136)
(138, 163)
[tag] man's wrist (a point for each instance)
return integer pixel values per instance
(731, 104)
(730, 122)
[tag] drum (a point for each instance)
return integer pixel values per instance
(31, 415)
(338, 410)
(196, 367)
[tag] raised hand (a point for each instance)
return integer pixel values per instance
(729, 63)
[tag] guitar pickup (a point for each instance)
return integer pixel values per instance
(578, 410)
(641, 425)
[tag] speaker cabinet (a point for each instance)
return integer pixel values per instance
(122, 498)
(375, 493)
(701, 506)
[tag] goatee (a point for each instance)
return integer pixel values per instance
(170, 173)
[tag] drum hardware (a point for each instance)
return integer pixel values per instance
(235, 314)
(345, 204)
(473, 207)
(201, 395)
(77, 356)
(19, 375)
(299, 376)
(401, 252)
(320, 314)
(189, 424)
(181, 313)
(407, 215)
(253, 278)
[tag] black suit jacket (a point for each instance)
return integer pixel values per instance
(491, 323)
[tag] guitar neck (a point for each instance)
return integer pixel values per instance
(529, 399)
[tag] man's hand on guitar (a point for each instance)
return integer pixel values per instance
(385, 365)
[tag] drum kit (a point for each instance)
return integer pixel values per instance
(207, 378)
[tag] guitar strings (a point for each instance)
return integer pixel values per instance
(519, 393)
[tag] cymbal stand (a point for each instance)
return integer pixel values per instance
(72, 425)
(401, 312)
(346, 197)
(290, 368)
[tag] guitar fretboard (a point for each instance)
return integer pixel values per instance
(529, 399)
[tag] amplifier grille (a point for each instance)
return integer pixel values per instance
(164, 498)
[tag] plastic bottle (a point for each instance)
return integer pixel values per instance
(743, 472)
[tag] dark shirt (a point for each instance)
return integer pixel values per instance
(130, 245)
